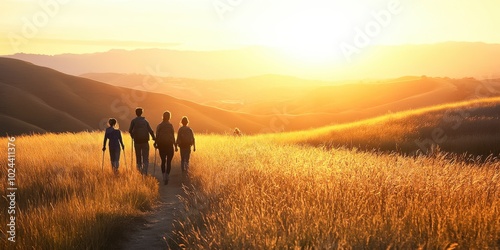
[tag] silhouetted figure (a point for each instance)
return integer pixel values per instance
(165, 141)
(140, 131)
(115, 140)
(185, 139)
(237, 132)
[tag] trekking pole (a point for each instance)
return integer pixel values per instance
(124, 158)
(154, 167)
(102, 165)
(132, 154)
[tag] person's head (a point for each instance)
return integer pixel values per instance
(138, 111)
(184, 121)
(166, 115)
(112, 122)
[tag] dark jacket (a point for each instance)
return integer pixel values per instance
(140, 130)
(115, 138)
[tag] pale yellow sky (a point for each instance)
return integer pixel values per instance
(312, 28)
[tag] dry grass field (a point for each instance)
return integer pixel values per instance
(249, 193)
(366, 185)
(65, 200)
(302, 190)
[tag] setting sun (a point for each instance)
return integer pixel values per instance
(310, 34)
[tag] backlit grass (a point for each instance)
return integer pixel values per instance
(64, 198)
(249, 193)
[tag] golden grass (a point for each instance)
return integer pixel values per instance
(465, 127)
(278, 191)
(64, 199)
(250, 193)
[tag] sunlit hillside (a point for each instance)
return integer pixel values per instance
(471, 127)
(66, 198)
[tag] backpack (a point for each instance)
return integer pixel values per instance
(140, 131)
(185, 137)
(165, 134)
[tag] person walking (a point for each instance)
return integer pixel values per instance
(185, 139)
(140, 131)
(165, 142)
(114, 136)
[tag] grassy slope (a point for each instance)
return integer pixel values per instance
(471, 126)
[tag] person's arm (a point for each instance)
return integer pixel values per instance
(131, 128)
(194, 141)
(172, 136)
(177, 139)
(176, 145)
(151, 132)
(157, 132)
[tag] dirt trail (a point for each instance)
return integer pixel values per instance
(154, 232)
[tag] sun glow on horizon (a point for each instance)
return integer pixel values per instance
(309, 34)
(309, 31)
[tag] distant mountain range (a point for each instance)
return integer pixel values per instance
(453, 59)
(39, 99)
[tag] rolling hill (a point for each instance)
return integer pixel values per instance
(471, 127)
(230, 94)
(39, 99)
(344, 101)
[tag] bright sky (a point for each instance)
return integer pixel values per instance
(307, 28)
